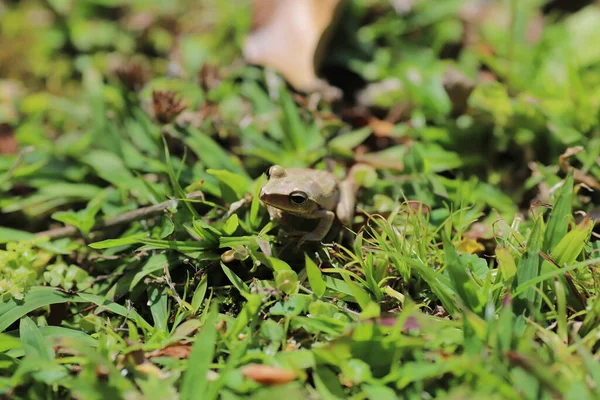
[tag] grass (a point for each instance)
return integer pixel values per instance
(470, 270)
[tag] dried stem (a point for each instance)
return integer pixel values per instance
(130, 216)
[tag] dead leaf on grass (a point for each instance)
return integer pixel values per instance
(178, 350)
(267, 375)
(8, 143)
(578, 175)
(289, 36)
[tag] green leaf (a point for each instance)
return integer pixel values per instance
(35, 297)
(118, 309)
(211, 154)
(195, 382)
(157, 299)
(529, 268)
(343, 144)
(126, 241)
(236, 281)
(573, 243)
(327, 384)
(294, 128)
(11, 235)
(199, 293)
(379, 392)
(233, 186)
(287, 281)
(155, 263)
(276, 264)
(33, 341)
(315, 277)
(560, 216)
(506, 262)
(462, 283)
(248, 313)
(231, 225)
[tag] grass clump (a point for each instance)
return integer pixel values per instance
(138, 262)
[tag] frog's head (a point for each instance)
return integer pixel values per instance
(289, 192)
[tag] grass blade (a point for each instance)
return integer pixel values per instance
(195, 382)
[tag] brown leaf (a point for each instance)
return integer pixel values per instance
(133, 74)
(578, 175)
(290, 37)
(563, 159)
(179, 350)
(8, 143)
(267, 375)
(209, 76)
(376, 161)
(380, 127)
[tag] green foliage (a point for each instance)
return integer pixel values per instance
(470, 268)
(21, 266)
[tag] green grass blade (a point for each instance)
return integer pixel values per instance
(560, 216)
(36, 297)
(195, 383)
(315, 278)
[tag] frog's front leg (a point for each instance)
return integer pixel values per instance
(347, 201)
(326, 218)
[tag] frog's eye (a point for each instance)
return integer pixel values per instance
(298, 197)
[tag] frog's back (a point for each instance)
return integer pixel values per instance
(324, 179)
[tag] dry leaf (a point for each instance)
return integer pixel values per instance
(179, 350)
(133, 74)
(290, 36)
(375, 160)
(381, 127)
(563, 159)
(578, 175)
(267, 375)
(8, 143)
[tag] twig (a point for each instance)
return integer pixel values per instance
(130, 216)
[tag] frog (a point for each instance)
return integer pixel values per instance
(309, 194)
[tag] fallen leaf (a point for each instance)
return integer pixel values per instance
(376, 161)
(133, 75)
(380, 127)
(179, 350)
(578, 175)
(289, 37)
(563, 159)
(8, 143)
(267, 375)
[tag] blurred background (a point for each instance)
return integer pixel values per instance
(492, 92)
(484, 114)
